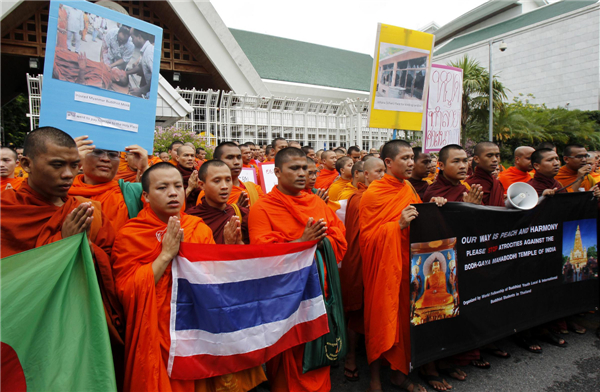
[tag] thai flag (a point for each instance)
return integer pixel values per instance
(233, 307)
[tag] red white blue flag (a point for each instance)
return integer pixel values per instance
(233, 307)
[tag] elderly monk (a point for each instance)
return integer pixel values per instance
(420, 172)
(358, 181)
(486, 156)
(231, 154)
(385, 215)
(344, 167)
(41, 212)
(575, 174)
(520, 171)
(142, 263)
(228, 222)
(173, 151)
(279, 144)
(310, 152)
(120, 200)
(354, 153)
(328, 173)
(450, 184)
(8, 162)
(351, 271)
(185, 164)
(287, 214)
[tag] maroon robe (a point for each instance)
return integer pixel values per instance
(493, 191)
(420, 186)
(190, 200)
(442, 187)
(216, 219)
(541, 182)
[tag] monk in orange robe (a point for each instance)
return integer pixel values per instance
(358, 181)
(8, 162)
(61, 33)
(328, 174)
(344, 167)
(248, 162)
(520, 172)
(351, 271)
(41, 212)
(546, 164)
(173, 151)
(98, 179)
(421, 171)
(142, 258)
(385, 216)
(287, 214)
(575, 174)
(487, 157)
(231, 154)
(595, 160)
(269, 155)
(19, 172)
(433, 170)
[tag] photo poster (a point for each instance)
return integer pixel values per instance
(444, 107)
(108, 90)
(268, 179)
(400, 78)
(480, 273)
(248, 174)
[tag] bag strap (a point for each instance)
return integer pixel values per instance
(252, 192)
(237, 211)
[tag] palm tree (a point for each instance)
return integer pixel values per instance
(476, 84)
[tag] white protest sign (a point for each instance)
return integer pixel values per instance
(247, 174)
(269, 180)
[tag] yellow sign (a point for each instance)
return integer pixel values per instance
(400, 78)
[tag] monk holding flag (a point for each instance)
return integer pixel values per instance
(385, 215)
(487, 157)
(328, 174)
(520, 171)
(8, 162)
(575, 174)
(420, 172)
(287, 214)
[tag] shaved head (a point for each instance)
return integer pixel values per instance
(392, 148)
(157, 167)
(287, 154)
(445, 152)
(325, 154)
(372, 163)
(481, 146)
(202, 172)
(35, 142)
(523, 151)
(219, 150)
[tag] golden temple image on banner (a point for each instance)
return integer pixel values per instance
(580, 255)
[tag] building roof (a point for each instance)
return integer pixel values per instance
(529, 18)
(288, 60)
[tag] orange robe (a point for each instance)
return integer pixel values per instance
(326, 178)
(278, 218)
(148, 308)
(109, 195)
(14, 183)
(349, 190)
(236, 191)
(567, 176)
(19, 172)
(125, 173)
(336, 188)
(385, 253)
(512, 175)
(153, 160)
(172, 162)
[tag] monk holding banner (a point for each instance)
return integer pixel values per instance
(8, 163)
(328, 174)
(288, 214)
(487, 157)
(385, 216)
(575, 174)
(520, 171)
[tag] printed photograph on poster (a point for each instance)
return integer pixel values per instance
(580, 251)
(100, 52)
(402, 74)
(433, 282)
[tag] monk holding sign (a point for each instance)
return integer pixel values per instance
(487, 157)
(520, 171)
(8, 163)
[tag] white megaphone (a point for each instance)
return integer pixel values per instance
(522, 196)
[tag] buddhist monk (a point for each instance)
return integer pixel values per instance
(595, 160)
(201, 154)
(164, 156)
(98, 181)
(232, 156)
(420, 171)
(228, 222)
(318, 154)
(351, 271)
(546, 163)
(328, 174)
(344, 168)
(362, 154)
(186, 165)
(449, 183)
(130, 167)
(173, 151)
(486, 156)
(269, 155)
(294, 144)
(433, 169)
(340, 152)
(358, 181)
(311, 178)
(520, 171)
(575, 174)
(287, 214)
(279, 144)
(310, 152)
(19, 172)
(41, 212)
(385, 216)
(8, 162)
(375, 152)
(255, 152)
(248, 161)
(354, 153)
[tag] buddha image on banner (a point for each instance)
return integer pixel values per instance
(580, 251)
(433, 282)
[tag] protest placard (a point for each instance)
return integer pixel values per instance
(248, 174)
(268, 179)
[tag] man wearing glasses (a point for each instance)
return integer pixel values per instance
(575, 174)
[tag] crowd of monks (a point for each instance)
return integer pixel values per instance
(136, 210)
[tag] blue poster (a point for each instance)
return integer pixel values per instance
(99, 75)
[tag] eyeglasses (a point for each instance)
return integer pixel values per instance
(112, 155)
(583, 156)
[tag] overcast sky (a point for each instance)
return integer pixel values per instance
(344, 24)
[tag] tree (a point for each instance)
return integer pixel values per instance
(15, 123)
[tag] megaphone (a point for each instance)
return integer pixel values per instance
(522, 196)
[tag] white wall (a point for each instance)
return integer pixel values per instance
(556, 60)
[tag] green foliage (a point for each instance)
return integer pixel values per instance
(592, 251)
(14, 121)
(163, 137)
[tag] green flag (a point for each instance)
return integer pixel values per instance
(54, 333)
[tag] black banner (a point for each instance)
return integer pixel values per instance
(479, 274)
